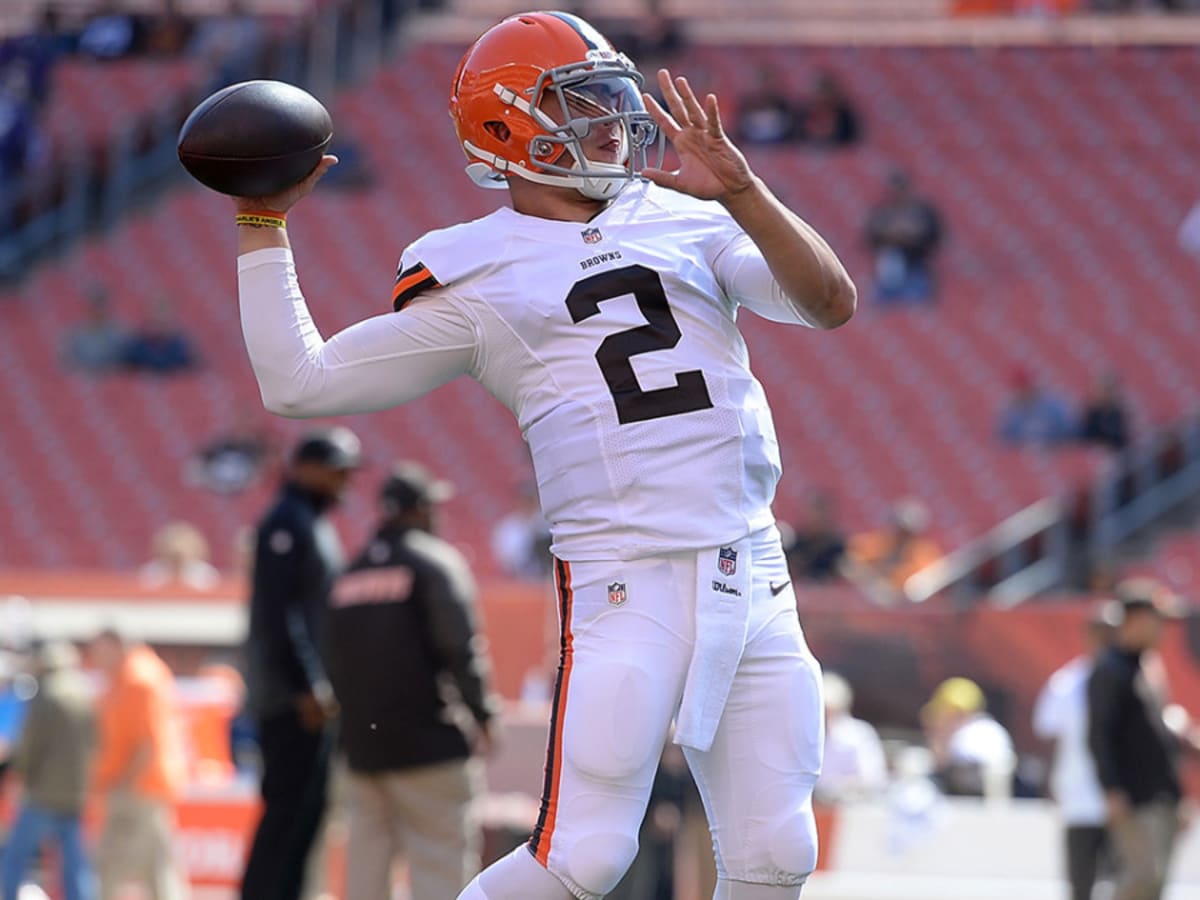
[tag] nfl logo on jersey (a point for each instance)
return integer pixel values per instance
(617, 594)
(591, 235)
(727, 560)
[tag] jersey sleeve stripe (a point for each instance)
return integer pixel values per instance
(411, 282)
(543, 832)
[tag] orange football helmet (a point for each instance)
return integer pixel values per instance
(532, 88)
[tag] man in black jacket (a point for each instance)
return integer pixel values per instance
(410, 672)
(1134, 750)
(297, 555)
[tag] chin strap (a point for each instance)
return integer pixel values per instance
(492, 172)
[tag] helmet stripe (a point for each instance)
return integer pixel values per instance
(592, 38)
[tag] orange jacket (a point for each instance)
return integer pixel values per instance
(140, 746)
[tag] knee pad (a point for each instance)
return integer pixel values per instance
(780, 849)
(793, 848)
(598, 861)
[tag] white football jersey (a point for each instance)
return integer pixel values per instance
(613, 342)
(615, 345)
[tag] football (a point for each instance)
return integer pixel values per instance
(255, 139)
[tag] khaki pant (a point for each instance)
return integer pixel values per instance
(135, 847)
(425, 815)
(1144, 842)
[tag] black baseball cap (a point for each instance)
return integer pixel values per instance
(337, 448)
(410, 484)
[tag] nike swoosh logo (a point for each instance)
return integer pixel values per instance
(777, 588)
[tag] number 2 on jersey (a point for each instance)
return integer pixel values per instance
(661, 332)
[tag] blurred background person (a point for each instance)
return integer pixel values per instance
(815, 546)
(52, 759)
(1033, 414)
(882, 561)
(854, 766)
(98, 343)
(235, 458)
(973, 753)
(297, 556)
(160, 345)
(1104, 419)
(409, 667)
(139, 771)
(180, 555)
(1136, 754)
(521, 539)
(765, 115)
(904, 230)
(1061, 715)
(827, 118)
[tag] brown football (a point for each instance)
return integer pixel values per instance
(255, 139)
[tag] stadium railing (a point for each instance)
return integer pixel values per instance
(1038, 548)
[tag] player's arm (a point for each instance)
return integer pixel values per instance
(374, 364)
(806, 269)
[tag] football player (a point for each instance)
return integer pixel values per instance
(601, 308)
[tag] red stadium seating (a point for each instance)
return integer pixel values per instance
(1062, 174)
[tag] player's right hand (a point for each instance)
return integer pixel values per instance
(285, 200)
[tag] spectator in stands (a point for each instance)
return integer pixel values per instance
(882, 561)
(20, 135)
(97, 344)
(168, 33)
(1061, 715)
(854, 764)
(766, 115)
(521, 540)
(1104, 419)
(409, 667)
(297, 556)
(140, 770)
(973, 753)
(112, 32)
(228, 44)
(36, 53)
(827, 117)
(1134, 749)
(817, 546)
(1033, 414)
(160, 346)
(52, 760)
(235, 459)
(904, 231)
(180, 559)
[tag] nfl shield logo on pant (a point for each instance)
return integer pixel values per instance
(727, 560)
(617, 595)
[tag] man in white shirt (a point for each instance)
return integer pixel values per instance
(855, 766)
(601, 310)
(1060, 714)
(973, 753)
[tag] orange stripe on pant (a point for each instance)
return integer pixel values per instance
(543, 832)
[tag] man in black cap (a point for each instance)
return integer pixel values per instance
(1134, 750)
(297, 555)
(409, 668)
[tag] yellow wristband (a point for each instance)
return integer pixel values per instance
(263, 219)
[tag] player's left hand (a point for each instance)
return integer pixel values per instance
(710, 166)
